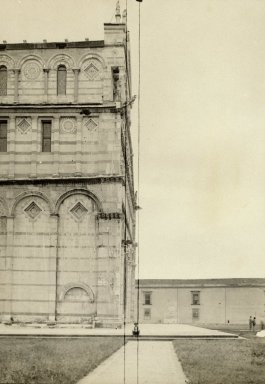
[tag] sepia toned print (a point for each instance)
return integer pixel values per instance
(132, 192)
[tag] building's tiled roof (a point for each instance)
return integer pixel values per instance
(157, 283)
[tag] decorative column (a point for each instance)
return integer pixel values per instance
(56, 145)
(34, 134)
(16, 73)
(53, 266)
(46, 82)
(11, 146)
(9, 266)
(76, 75)
(79, 147)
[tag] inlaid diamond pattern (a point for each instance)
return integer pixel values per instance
(33, 210)
(23, 125)
(91, 124)
(78, 211)
(91, 71)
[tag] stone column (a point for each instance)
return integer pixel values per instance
(9, 265)
(11, 146)
(16, 72)
(56, 145)
(79, 147)
(34, 134)
(46, 82)
(76, 74)
(53, 266)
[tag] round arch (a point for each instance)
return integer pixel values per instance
(91, 56)
(84, 192)
(24, 195)
(7, 61)
(61, 59)
(83, 286)
(24, 59)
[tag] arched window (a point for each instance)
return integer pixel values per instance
(3, 81)
(61, 80)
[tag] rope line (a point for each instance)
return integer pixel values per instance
(125, 198)
(138, 179)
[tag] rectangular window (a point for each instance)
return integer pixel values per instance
(3, 135)
(195, 297)
(147, 298)
(147, 313)
(195, 314)
(46, 136)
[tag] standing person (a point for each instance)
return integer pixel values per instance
(250, 322)
(254, 323)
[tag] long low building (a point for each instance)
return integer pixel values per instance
(201, 301)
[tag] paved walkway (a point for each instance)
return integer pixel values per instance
(157, 364)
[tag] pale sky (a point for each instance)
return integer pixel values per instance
(202, 174)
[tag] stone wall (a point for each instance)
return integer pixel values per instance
(67, 211)
(217, 304)
(63, 257)
(80, 145)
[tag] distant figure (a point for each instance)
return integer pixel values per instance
(136, 331)
(250, 322)
(254, 323)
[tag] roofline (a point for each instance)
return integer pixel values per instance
(204, 283)
(53, 45)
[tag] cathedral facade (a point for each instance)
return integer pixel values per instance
(67, 201)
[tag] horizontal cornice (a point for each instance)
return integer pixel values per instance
(82, 108)
(65, 180)
(53, 45)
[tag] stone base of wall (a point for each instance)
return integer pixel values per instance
(111, 322)
(98, 322)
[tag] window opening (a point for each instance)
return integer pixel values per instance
(3, 81)
(46, 136)
(195, 313)
(61, 80)
(147, 313)
(195, 298)
(147, 298)
(3, 136)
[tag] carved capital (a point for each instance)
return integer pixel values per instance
(76, 70)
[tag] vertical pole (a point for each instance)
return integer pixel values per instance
(225, 305)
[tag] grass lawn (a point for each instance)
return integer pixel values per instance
(53, 361)
(223, 361)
